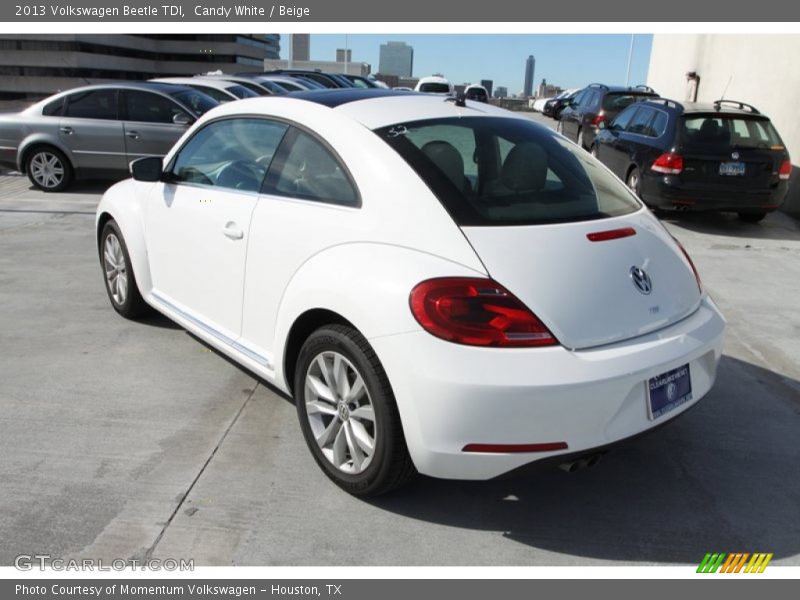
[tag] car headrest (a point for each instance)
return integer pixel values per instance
(445, 156)
(525, 168)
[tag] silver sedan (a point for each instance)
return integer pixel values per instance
(96, 131)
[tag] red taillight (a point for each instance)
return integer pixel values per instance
(476, 312)
(691, 264)
(611, 234)
(668, 163)
(785, 170)
(599, 118)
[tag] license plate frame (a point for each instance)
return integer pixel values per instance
(667, 391)
(732, 169)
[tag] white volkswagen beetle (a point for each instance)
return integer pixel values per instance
(443, 286)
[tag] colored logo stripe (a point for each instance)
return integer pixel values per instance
(735, 562)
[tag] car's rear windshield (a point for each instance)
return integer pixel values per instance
(198, 102)
(435, 88)
(715, 131)
(617, 101)
(490, 171)
(476, 94)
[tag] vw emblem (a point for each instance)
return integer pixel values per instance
(735, 156)
(641, 280)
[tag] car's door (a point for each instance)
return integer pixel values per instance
(307, 205)
(611, 145)
(638, 137)
(149, 121)
(91, 130)
(570, 115)
(197, 222)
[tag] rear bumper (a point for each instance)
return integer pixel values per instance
(668, 192)
(451, 395)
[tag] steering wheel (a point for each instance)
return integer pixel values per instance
(241, 175)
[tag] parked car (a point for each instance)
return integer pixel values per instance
(554, 106)
(539, 104)
(476, 92)
(459, 349)
(435, 84)
(292, 84)
(96, 131)
(220, 90)
(359, 81)
(595, 104)
(328, 80)
(724, 156)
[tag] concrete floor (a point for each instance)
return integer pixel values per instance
(123, 439)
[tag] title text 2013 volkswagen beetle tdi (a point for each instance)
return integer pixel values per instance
(444, 287)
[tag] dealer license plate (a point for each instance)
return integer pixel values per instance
(731, 168)
(668, 391)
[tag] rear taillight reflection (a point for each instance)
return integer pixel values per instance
(476, 312)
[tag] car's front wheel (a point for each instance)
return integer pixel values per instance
(348, 414)
(48, 169)
(119, 278)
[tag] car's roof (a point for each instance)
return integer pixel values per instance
(373, 107)
(705, 107)
(166, 88)
(214, 82)
(433, 79)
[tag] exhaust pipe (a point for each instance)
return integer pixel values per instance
(580, 463)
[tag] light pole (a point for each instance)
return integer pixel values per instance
(630, 56)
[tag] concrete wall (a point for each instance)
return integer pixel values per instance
(761, 70)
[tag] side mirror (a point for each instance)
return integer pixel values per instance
(182, 118)
(148, 168)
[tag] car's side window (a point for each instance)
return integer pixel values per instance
(231, 153)
(311, 172)
(659, 125)
(622, 120)
(147, 107)
(54, 108)
(640, 124)
(93, 104)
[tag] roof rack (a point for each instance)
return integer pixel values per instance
(738, 104)
(667, 102)
(646, 88)
(599, 85)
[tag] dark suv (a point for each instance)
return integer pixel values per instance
(595, 104)
(723, 156)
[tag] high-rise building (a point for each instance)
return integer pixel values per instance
(530, 67)
(37, 65)
(487, 83)
(301, 46)
(501, 92)
(396, 58)
(343, 55)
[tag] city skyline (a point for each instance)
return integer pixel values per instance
(567, 60)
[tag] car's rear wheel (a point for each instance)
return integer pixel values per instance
(348, 414)
(48, 169)
(119, 278)
(752, 217)
(634, 182)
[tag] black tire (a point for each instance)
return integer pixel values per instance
(59, 173)
(131, 305)
(580, 141)
(634, 182)
(390, 465)
(752, 217)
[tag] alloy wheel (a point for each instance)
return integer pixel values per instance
(340, 412)
(116, 272)
(47, 169)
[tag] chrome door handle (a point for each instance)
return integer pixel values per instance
(232, 231)
(66, 130)
(134, 135)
